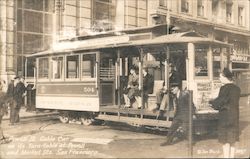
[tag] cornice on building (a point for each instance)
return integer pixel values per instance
(221, 27)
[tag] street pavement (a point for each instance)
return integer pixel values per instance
(31, 114)
(45, 137)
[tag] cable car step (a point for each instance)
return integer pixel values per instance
(134, 111)
(139, 121)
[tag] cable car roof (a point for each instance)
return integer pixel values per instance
(126, 41)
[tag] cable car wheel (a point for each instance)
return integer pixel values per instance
(64, 118)
(86, 121)
(87, 118)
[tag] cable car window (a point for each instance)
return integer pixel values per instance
(88, 66)
(57, 67)
(72, 69)
(43, 68)
(107, 67)
(201, 62)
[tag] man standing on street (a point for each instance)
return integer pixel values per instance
(179, 128)
(19, 93)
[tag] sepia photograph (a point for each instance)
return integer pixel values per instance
(124, 79)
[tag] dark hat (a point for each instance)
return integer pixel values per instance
(17, 77)
(227, 73)
(174, 84)
(134, 67)
(145, 68)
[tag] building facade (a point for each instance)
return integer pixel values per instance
(29, 26)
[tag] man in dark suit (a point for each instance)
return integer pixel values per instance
(148, 85)
(162, 94)
(179, 128)
(19, 91)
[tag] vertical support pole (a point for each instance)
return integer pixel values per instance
(167, 77)
(35, 76)
(166, 67)
(118, 71)
(116, 75)
(126, 66)
(97, 74)
(25, 69)
(210, 62)
(190, 132)
(141, 81)
(97, 69)
(229, 62)
(35, 85)
(191, 61)
(25, 77)
(221, 59)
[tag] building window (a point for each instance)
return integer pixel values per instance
(200, 8)
(89, 66)
(34, 28)
(163, 3)
(229, 15)
(184, 6)
(57, 67)
(43, 68)
(72, 69)
(215, 8)
(103, 15)
(32, 43)
(33, 4)
(241, 16)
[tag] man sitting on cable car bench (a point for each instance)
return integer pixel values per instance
(132, 91)
(148, 85)
(163, 94)
(132, 88)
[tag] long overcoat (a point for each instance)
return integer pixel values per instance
(227, 103)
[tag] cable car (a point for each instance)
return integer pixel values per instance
(83, 78)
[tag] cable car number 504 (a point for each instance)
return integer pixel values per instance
(89, 90)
